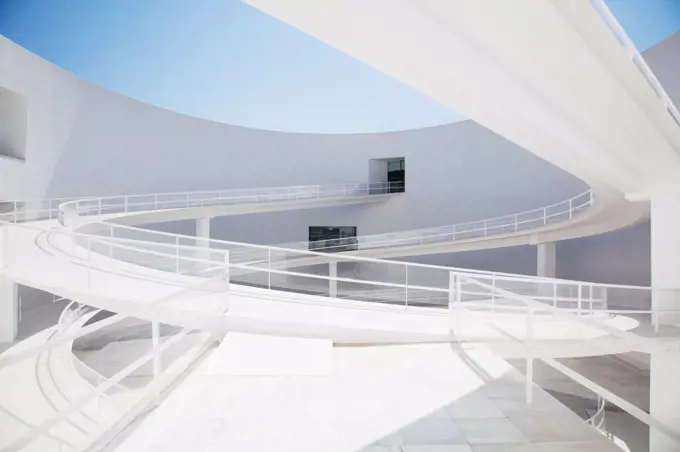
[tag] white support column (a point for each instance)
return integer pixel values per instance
(545, 262)
(203, 228)
(664, 367)
(203, 241)
(9, 310)
(333, 283)
(665, 235)
(664, 398)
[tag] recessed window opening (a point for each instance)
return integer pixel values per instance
(333, 239)
(388, 174)
(13, 111)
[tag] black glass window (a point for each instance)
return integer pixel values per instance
(333, 239)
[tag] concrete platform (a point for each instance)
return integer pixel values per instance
(408, 398)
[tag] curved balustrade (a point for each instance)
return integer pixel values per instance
(72, 313)
(597, 420)
(71, 211)
(482, 298)
(517, 222)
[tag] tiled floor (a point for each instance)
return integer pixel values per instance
(497, 423)
(409, 398)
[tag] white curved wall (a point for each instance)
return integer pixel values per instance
(85, 140)
(54, 101)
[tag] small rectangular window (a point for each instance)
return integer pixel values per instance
(387, 175)
(333, 239)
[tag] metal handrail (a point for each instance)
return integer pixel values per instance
(191, 254)
(455, 231)
(67, 318)
(122, 204)
(598, 418)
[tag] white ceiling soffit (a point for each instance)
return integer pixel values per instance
(546, 74)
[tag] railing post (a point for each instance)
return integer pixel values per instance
(333, 281)
(516, 222)
(485, 228)
(453, 232)
(99, 206)
(580, 298)
(176, 254)
(570, 207)
(125, 203)
(530, 355)
(155, 201)
(493, 294)
(406, 286)
(655, 314)
(4, 252)
(554, 297)
(227, 269)
(591, 299)
(545, 216)
(452, 302)
(155, 341)
(227, 283)
(269, 268)
(89, 262)
(459, 307)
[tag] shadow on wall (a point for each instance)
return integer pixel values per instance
(619, 257)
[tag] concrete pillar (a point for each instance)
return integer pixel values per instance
(545, 262)
(203, 241)
(665, 235)
(664, 367)
(9, 310)
(664, 399)
(203, 227)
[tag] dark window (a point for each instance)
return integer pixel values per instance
(333, 239)
(396, 175)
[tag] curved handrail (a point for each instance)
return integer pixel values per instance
(71, 314)
(88, 244)
(598, 418)
(70, 211)
(517, 222)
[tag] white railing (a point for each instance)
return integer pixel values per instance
(73, 312)
(70, 211)
(597, 420)
(462, 319)
(636, 57)
(41, 437)
(507, 224)
(460, 294)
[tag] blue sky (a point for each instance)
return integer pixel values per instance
(222, 60)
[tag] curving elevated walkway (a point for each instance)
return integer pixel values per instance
(91, 253)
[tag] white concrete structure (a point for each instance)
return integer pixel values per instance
(546, 259)
(348, 351)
